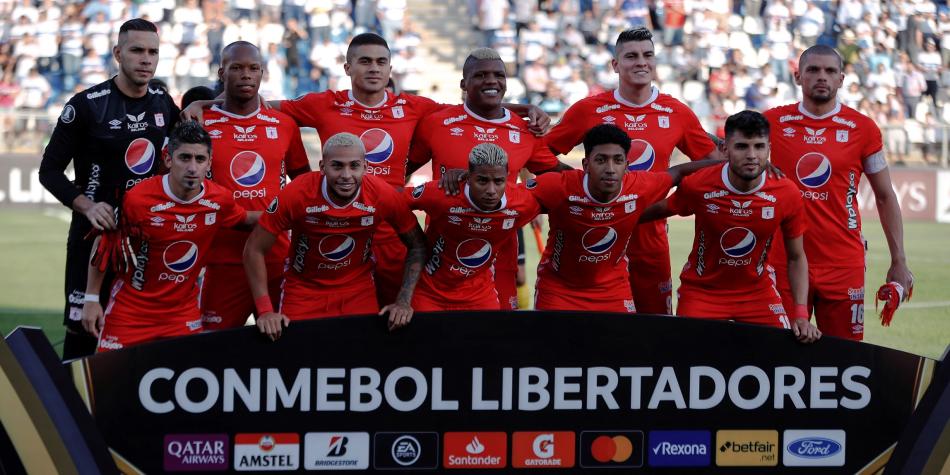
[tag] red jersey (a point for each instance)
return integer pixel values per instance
(588, 239)
(655, 128)
(386, 128)
(825, 156)
(463, 239)
(251, 157)
(179, 236)
(331, 244)
(734, 230)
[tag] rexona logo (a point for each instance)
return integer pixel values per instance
(747, 448)
(608, 449)
(542, 449)
(679, 448)
(475, 450)
(814, 448)
(406, 451)
(196, 452)
(336, 451)
(266, 452)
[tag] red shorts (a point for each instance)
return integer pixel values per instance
(762, 309)
(651, 284)
(835, 295)
(344, 301)
(548, 296)
(506, 286)
(125, 326)
(226, 298)
(390, 261)
(426, 300)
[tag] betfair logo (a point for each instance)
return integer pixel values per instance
(746, 448)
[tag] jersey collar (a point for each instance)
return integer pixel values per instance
(728, 184)
(326, 195)
(835, 110)
(655, 92)
(377, 106)
(232, 115)
(168, 191)
(501, 120)
(504, 202)
(595, 200)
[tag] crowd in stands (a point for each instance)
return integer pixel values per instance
(718, 56)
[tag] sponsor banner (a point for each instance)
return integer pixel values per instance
(813, 448)
(557, 389)
(196, 452)
(916, 190)
(20, 182)
(943, 196)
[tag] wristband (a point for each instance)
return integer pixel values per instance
(263, 305)
(90, 298)
(800, 311)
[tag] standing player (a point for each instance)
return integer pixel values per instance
(739, 211)
(592, 213)
(173, 219)
(444, 137)
(465, 231)
(825, 146)
(656, 123)
(113, 133)
(333, 214)
(255, 149)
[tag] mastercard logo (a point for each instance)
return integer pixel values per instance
(612, 449)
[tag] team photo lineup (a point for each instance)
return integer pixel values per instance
(193, 217)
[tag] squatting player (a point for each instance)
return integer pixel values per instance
(332, 214)
(447, 135)
(176, 217)
(465, 232)
(255, 151)
(592, 214)
(739, 210)
(825, 146)
(113, 133)
(656, 123)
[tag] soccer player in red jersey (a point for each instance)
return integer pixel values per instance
(332, 214)
(592, 214)
(824, 147)
(255, 149)
(444, 137)
(178, 215)
(739, 210)
(656, 123)
(465, 231)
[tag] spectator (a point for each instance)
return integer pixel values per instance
(931, 64)
(912, 86)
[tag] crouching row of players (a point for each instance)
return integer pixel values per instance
(332, 214)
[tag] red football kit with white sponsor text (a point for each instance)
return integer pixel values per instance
(250, 156)
(159, 298)
(386, 130)
(330, 261)
(463, 241)
(727, 274)
(655, 128)
(825, 156)
(584, 266)
(447, 136)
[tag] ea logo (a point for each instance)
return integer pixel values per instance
(737, 242)
(180, 256)
(473, 252)
(813, 169)
(641, 156)
(336, 247)
(378, 144)
(140, 156)
(247, 168)
(599, 240)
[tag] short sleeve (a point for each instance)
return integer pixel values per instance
(306, 110)
(296, 157)
(395, 210)
(422, 197)
(695, 143)
(653, 186)
(420, 151)
(679, 202)
(232, 214)
(280, 213)
(872, 155)
(548, 189)
(569, 131)
(541, 159)
(793, 220)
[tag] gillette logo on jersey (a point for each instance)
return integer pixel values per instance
(736, 243)
(641, 156)
(472, 254)
(139, 158)
(179, 257)
(248, 170)
(813, 170)
(597, 241)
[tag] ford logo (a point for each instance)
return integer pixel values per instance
(814, 447)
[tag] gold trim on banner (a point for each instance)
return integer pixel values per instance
(124, 465)
(877, 465)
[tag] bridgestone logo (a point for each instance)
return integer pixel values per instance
(667, 448)
(335, 463)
